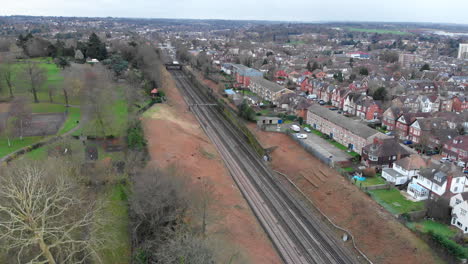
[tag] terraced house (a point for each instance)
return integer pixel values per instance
(345, 131)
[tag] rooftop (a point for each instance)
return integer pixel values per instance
(347, 123)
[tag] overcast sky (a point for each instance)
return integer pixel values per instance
(450, 11)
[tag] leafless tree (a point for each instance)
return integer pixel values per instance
(185, 248)
(159, 202)
(42, 216)
(19, 116)
(98, 97)
(37, 47)
(35, 77)
(6, 73)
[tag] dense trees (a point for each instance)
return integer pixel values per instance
(160, 205)
(363, 71)
(380, 94)
(425, 67)
(95, 48)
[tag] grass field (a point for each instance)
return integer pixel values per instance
(54, 79)
(395, 202)
(16, 144)
(47, 108)
(371, 181)
(438, 228)
(117, 126)
(118, 248)
(74, 116)
(380, 31)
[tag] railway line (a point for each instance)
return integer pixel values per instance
(298, 235)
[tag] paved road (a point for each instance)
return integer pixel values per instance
(298, 235)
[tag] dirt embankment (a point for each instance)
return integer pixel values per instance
(176, 139)
(377, 232)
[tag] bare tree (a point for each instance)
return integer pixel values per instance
(19, 117)
(159, 203)
(35, 77)
(42, 217)
(6, 73)
(99, 95)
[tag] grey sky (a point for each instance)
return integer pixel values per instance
(450, 11)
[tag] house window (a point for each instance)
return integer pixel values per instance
(456, 189)
(394, 157)
(457, 201)
(462, 212)
(373, 158)
(458, 180)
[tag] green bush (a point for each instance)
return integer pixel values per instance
(451, 246)
(291, 117)
(136, 137)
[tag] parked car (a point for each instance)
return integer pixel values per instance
(390, 133)
(306, 129)
(407, 142)
(340, 112)
(322, 102)
(443, 160)
(301, 136)
(333, 108)
(295, 128)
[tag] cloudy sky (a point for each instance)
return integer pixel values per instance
(450, 11)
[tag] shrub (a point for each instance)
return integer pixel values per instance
(369, 172)
(135, 137)
(451, 246)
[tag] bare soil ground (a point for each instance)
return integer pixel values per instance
(176, 139)
(4, 107)
(378, 234)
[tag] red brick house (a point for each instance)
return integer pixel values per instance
(457, 149)
(369, 109)
(338, 97)
(307, 85)
(391, 115)
(460, 103)
(421, 128)
(405, 121)
(382, 153)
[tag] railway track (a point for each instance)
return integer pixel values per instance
(298, 235)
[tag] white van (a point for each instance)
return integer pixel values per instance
(295, 128)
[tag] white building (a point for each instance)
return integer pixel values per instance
(436, 181)
(403, 170)
(463, 51)
(459, 204)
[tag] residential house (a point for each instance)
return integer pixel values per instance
(345, 131)
(405, 121)
(244, 74)
(382, 153)
(391, 115)
(457, 149)
(429, 103)
(267, 90)
(460, 103)
(368, 108)
(421, 128)
(438, 180)
(404, 169)
(349, 104)
(459, 204)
